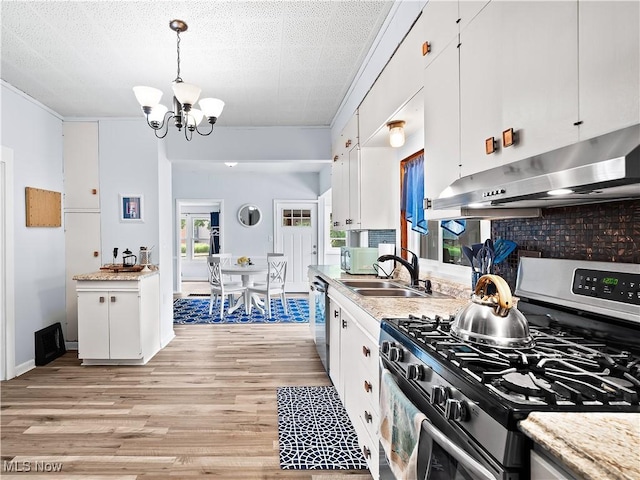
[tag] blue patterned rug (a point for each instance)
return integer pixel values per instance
(196, 311)
(314, 431)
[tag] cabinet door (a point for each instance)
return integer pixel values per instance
(93, 325)
(339, 194)
(335, 327)
(609, 60)
(124, 325)
(81, 169)
(539, 76)
(441, 123)
(354, 220)
(440, 27)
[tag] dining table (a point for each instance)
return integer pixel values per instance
(246, 272)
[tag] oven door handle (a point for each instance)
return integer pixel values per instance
(478, 471)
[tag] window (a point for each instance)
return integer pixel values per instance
(296, 218)
(195, 231)
(338, 238)
(451, 245)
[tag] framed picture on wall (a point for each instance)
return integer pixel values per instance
(131, 208)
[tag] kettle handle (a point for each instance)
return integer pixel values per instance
(505, 300)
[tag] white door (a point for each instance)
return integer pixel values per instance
(296, 235)
(7, 301)
(82, 255)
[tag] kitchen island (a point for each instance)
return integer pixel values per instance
(118, 317)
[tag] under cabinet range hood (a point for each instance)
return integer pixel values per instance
(600, 169)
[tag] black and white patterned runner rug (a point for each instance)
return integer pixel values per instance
(314, 431)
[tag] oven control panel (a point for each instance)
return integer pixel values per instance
(619, 287)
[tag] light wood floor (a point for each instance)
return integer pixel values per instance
(203, 406)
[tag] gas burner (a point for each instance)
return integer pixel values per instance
(522, 383)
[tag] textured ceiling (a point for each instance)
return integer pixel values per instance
(272, 62)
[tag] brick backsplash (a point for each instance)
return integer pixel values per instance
(606, 232)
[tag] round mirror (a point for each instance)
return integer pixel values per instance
(249, 215)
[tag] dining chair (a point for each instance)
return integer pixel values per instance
(225, 259)
(275, 284)
(220, 288)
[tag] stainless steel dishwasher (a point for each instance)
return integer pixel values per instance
(321, 326)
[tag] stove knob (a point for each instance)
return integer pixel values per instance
(396, 354)
(456, 410)
(439, 395)
(415, 371)
(385, 346)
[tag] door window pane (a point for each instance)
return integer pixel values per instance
(296, 218)
(201, 233)
(183, 236)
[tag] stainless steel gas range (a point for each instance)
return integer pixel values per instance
(584, 319)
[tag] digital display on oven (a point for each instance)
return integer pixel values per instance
(619, 287)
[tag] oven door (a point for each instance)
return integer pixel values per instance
(440, 456)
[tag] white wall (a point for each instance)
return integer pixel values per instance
(163, 253)
(237, 189)
(34, 133)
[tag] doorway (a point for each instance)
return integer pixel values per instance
(7, 299)
(296, 235)
(193, 238)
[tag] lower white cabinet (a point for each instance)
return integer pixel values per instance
(118, 320)
(356, 375)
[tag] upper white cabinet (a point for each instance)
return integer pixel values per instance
(81, 167)
(439, 27)
(609, 66)
(400, 80)
(441, 123)
(518, 70)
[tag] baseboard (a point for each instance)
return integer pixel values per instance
(165, 341)
(25, 367)
(71, 345)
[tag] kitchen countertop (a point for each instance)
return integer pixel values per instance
(380, 307)
(106, 275)
(593, 445)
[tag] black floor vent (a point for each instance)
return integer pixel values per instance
(49, 344)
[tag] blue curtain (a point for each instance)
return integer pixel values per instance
(214, 238)
(413, 194)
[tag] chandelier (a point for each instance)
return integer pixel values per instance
(185, 96)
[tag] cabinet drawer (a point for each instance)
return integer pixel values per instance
(369, 446)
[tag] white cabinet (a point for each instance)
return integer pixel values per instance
(360, 182)
(335, 327)
(512, 76)
(81, 166)
(355, 374)
(441, 124)
(118, 320)
(340, 174)
(609, 66)
(439, 27)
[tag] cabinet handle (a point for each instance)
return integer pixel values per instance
(365, 351)
(366, 451)
(367, 386)
(95, 253)
(94, 191)
(101, 299)
(113, 299)
(336, 314)
(344, 324)
(368, 417)
(347, 143)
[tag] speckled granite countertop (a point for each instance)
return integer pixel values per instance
(106, 275)
(380, 307)
(593, 445)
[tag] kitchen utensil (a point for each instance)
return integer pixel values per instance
(468, 253)
(492, 319)
(502, 249)
(128, 258)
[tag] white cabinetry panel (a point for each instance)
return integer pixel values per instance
(81, 166)
(609, 56)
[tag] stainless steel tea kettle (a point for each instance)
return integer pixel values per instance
(492, 319)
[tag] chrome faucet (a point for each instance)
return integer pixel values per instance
(413, 268)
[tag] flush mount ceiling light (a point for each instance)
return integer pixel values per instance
(185, 96)
(230, 164)
(396, 133)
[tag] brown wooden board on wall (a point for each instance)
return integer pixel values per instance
(44, 208)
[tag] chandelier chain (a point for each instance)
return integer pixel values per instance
(178, 79)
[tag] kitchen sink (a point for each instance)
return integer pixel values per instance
(389, 292)
(370, 284)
